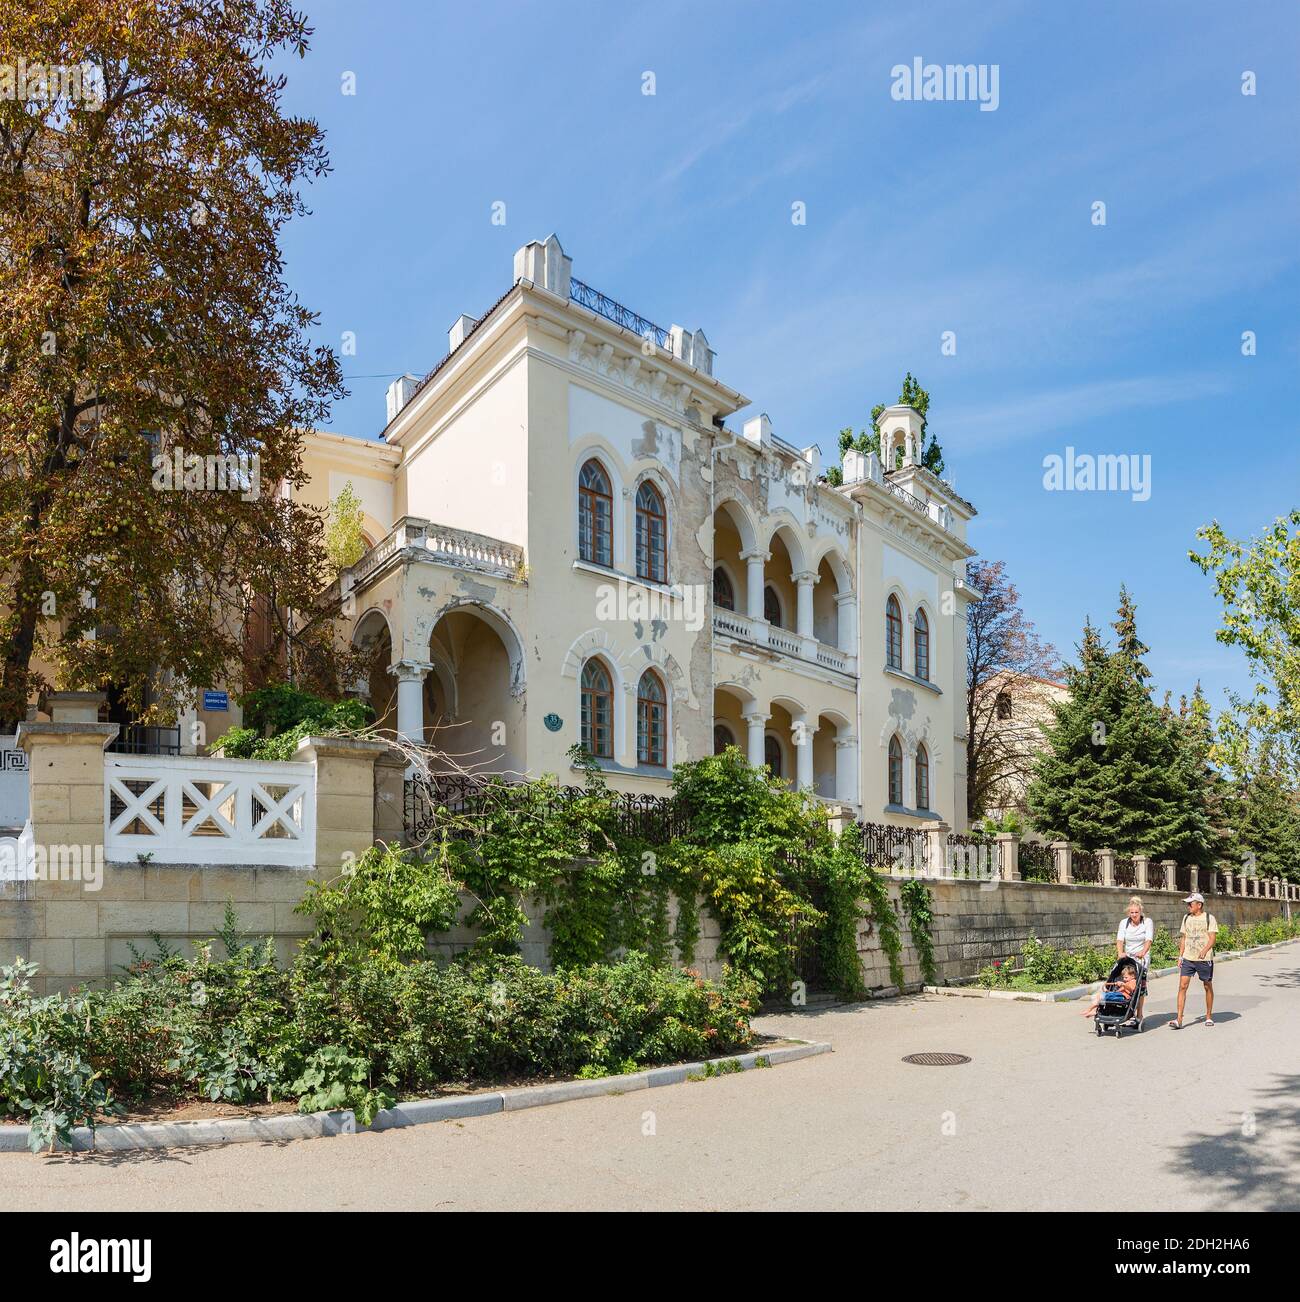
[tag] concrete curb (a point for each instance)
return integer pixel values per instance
(1077, 992)
(418, 1112)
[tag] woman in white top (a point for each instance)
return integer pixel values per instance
(1134, 937)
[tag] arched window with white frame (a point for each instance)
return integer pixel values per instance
(651, 534)
(595, 515)
(597, 710)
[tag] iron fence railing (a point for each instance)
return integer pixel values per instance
(146, 739)
(613, 311)
(1126, 873)
(885, 846)
(1086, 867)
(1183, 877)
(464, 807)
(1037, 863)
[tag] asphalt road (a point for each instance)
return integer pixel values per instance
(1045, 1116)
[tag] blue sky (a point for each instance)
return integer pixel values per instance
(922, 217)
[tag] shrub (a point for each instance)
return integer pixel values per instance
(277, 718)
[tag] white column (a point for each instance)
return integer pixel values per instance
(410, 698)
(755, 720)
(804, 611)
(846, 771)
(847, 609)
(754, 563)
(802, 734)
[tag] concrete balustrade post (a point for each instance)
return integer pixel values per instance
(1142, 862)
(1227, 881)
(1063, 852)
(1170, 870)
(345, 798)
(1106, 858)
(1195, 879)
(937, 838)
(1008, 844)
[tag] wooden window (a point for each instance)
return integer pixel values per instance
(893, 633)
(772, 755)
(922, 778)
(772, 607)
(722, 738)
(651, 535)
(922, 645)
(895, 772)
(724, 595)
(651, 720)
(597, 710)
(595, 515)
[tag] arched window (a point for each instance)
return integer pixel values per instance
(922, 778)
(1003, 703)
(772, 607)
(724, 595)
(651, 721)
(922, 643)
(597, 710)
(895, 772)
(772, 755)
(893, 633)
(651, 535)
(595, 515)
(722, 738)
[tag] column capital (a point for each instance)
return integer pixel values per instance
(842, 597)
(808, 577)
(409, 670)
(754, 716)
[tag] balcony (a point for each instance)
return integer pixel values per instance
(759, 633)
(413, 538)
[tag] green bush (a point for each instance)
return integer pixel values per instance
(344, 1029)
(277, 718)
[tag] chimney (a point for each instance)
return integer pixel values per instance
(758, 431)
(460, 330)
(545, 263)
(813, 456)
(400, 392)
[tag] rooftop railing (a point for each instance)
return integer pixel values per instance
(613, 311)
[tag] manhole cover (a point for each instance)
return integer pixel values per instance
(936, 1059)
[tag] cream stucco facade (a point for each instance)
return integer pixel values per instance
(739, 598)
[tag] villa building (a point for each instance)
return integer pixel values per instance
(570, 544)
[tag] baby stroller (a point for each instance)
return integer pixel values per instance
(1116, 1008)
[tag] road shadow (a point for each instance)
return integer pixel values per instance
(1291, 977)
(1249, 1171)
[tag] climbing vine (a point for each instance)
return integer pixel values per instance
(918, 905)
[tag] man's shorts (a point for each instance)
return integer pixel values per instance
(1187, 967)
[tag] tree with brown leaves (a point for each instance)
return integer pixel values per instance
(156, 372)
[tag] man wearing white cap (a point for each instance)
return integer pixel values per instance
(1196, 955)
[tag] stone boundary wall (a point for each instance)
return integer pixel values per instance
(975, 923)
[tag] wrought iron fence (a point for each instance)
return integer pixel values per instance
(972, 855)
(1183, 877)
(146, 739)
(1037, 863)
(885, 846)
(1086, 867)
(1126, 873)
(463, 807)
(613, 311)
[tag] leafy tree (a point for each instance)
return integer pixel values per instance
(1114, 774)
(912, 395)
(142, 290)
(1258, 582)
(344, 541)
(1004, 654)
(1264, 814)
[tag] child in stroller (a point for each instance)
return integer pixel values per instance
(1116, 1001)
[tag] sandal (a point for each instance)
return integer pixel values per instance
(1175, 1026)
(1209, 1021)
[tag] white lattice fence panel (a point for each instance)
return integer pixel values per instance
(185, 809)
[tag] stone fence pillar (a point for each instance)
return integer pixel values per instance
(937, 837)
(1142, 862)
(390, 799)
(1107, 861)
(345, 797)
(1170, 868)
(1063, 852)
(1008, 844)
(1227, 881)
